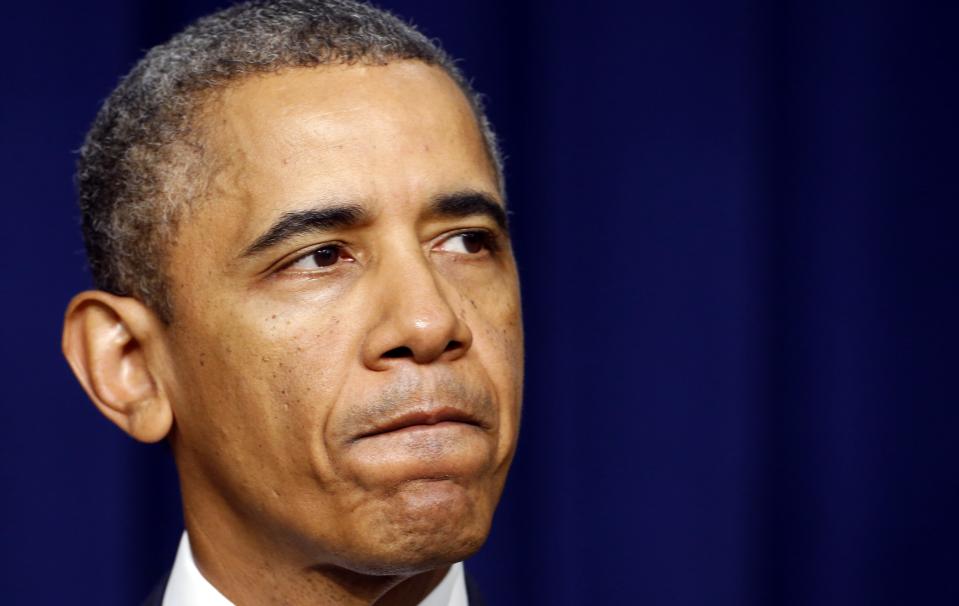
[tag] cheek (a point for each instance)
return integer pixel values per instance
(261, 395)
(496, 308)
(312, 362)
(297, 367)
(498, 341)
(504, 332)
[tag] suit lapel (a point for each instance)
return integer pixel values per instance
(472, 592)
(156, 596)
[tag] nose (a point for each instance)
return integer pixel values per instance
(416, 321)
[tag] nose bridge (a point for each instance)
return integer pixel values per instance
(416, 317)
(413, 289)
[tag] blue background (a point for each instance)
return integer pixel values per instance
(736, 225)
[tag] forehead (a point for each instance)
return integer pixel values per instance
(383, 134)
(390, 137)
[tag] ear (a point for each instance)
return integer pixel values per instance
(112, 344)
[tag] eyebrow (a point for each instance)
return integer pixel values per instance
(467, 204)
(344, 216)
(292, 224)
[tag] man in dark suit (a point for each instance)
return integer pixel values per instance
(295, 218)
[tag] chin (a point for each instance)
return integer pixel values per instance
(427, 524)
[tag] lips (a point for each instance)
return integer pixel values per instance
(421, 418)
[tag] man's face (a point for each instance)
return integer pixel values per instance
(346, 350)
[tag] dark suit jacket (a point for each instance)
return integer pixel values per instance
(472, 592)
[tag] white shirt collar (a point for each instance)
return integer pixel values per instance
(187, 587)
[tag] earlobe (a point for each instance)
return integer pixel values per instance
(109, 342)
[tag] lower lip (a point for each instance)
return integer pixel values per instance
(446, 449)
(441, 426)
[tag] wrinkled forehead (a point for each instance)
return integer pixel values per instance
(391, 136)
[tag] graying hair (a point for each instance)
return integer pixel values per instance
(141, 162)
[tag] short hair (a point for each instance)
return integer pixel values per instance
(139, 165)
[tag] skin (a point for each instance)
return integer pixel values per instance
(278, 376)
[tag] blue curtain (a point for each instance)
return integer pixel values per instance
(736, 226)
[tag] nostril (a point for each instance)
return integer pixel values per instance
(406, 352)
(399, 352)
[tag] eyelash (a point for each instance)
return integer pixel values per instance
(488, 240)
(338, 246)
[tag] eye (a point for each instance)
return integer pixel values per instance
(325, 256)
(468, 243)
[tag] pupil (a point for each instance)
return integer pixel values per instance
(473, 243)
(326, 256)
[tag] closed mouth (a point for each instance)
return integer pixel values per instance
(422, 419)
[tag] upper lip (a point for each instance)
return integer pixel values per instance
(422, 417)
